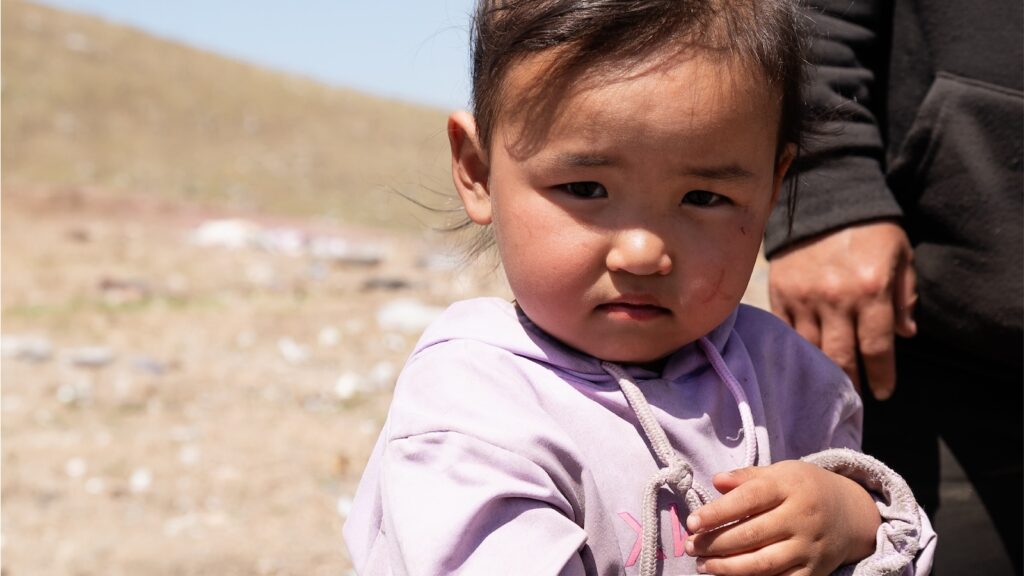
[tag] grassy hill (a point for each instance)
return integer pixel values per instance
(90, 104)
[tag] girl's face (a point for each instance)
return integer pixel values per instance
(630, 227)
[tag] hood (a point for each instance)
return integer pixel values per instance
(502, 324)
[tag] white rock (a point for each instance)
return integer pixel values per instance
(89, 356)
(407, 315)
(329, 337)
(95, 486)
(230, 233)
(292, 351)
(75, 468)
(189, 455)
(347, 385)
(440, 261)
(287, 241)
(344, 506)
(342, 251)
(74, 392)
(382, 375)
(30, 348)
(140, 481)
(149, 366)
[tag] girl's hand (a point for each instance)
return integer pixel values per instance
(790, 518)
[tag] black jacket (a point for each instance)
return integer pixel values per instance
(928, 118)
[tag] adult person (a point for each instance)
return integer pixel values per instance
(903, 257)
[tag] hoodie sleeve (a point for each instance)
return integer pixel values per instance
(841, 178)
(905, 541)
(459, 505)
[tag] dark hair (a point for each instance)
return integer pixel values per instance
(593, 35)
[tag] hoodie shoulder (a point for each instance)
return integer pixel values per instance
(808, 394)
(762, 330)
(475, 371)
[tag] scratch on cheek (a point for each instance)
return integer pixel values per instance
(743, 230)
(713, 290)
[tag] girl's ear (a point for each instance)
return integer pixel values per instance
(781, 167)
(469, 167)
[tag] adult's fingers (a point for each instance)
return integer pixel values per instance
(905, 298)
(807, 325)
(875, 337)
(779, 304)
(839, 341)
(801, 317)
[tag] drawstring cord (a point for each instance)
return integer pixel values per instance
(674, 472)
(746, 416)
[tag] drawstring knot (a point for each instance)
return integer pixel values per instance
(674, 472)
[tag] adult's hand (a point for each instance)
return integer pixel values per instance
(848, 292)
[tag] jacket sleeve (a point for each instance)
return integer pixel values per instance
(840, 175)
(459, 505)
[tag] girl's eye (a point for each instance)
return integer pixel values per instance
(585, 189)
(703, 198)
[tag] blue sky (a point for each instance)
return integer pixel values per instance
(414, 50)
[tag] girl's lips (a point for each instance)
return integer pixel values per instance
(632, 311)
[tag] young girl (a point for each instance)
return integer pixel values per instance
(625, 155)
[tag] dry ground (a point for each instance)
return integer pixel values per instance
(197, 446)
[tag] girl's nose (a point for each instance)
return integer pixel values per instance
(639, 252)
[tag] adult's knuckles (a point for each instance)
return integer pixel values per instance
(874, 282)
(877, 348)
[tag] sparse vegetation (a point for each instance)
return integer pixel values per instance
(90, 104)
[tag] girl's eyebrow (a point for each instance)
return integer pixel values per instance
(581, 160)
(720, 172)
(723, 172)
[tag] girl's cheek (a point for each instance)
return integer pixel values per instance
(711, 286)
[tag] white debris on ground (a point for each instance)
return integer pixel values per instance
(236, 234)
(342, 251)
(28, 348)
(292, 351)
(88, 357)
(328, 337)
(76, 468)
(381, 376)
(140, 481)
(407, 315)
(232, 233)
(344, 505)
(221, 383)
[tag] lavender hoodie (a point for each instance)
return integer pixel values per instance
(506, 452)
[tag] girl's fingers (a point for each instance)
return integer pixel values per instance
(747, 535)
(748, 498)
(779, 558)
